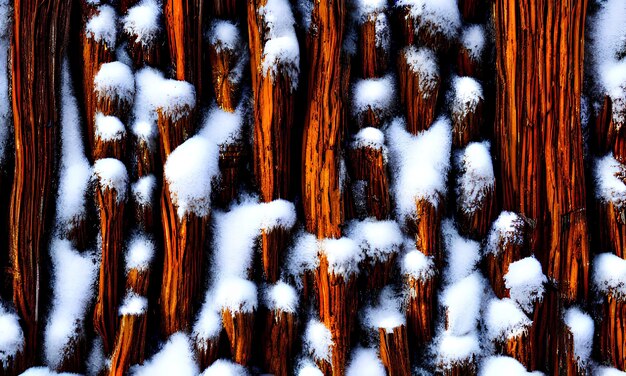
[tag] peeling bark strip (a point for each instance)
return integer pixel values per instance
(325, 120)
(39, 27)
(538, 111)
(183, 23)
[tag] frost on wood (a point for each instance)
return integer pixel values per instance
(417, 265)
(373, 94)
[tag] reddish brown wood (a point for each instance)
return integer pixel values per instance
(105, 319)
(183, 25)
(373, 53)
(324, 121)
(421, 311)
(239, 327)
(280, 335)
(394, 351)
(418, 101)
(519, 347)
(425, 227)
(35, 80)
(467, 127)
(226, 71)
(612, 331)
(368, 164)
(337, 296)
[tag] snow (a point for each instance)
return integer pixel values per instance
(456, 349)
(343, 256)
(610, 176)
(376, 94)
(133, 305)
(281, 50)
(175, 358)
(281, 297)
(423, 62)
(476, 176)
(417, 265)
(302, 256)
(208, 324)
(377, 239)
(175, 99)
(96, 361)
(462, 301)
(12, 338)
(144, 110)
(609, 274)
(365, 8)
(462, 254)
(439, 15)
(387, 314)
(308, 368)
(506, 229)
(236, 295)
(369, 137)
(45, 371)
(473, 40)
(236, 232)
(224, 35)
(365, 362)
(607, 371)
(143, 190)
(504, 365)
(112, 174)
(419, 164)
(525, 280)
(140, 252)
(318, 340)
(142, 21)
(225, 367)
(102, 26)
(5, 100)
(73, 281)
(467, 94)
(580, 324)
(505, 320)
(608, 33)
(109, 128)
(115, 80)
(75, 171)
(223, 127)
(189, 171)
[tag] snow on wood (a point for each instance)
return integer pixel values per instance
(423, 62)
(417, 265)
(74, 277)
(473, 40)
(281, 52)
(224, 34)
(142, 21)
(609, 274)
(133, 304)
(581, 326)
(467, 93)
(499, 365)
(477, 177)
(102, 26)
(373, 94)
(386, 314)
(144, 189)
(140, 252)
(610, 176)
(115, 80)
(419, 164)
(224, 367)
(525, 282)
(377, 239)
(440, 16)
(505, 320)
(365, 362)
(111, 174)
(175, 358)
(343, 256)
(506, 229)
(462, 254)
(109, 128)
(281, 297)
(462, 301)
(12, 338)
(318, 340)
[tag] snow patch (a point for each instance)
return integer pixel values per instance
(318, 340)
(423, 62)
(476, 176)
(102, 26)
(505, 320)
(375, 94)
(115, 80)
(225, 367)
(133, 305)
(525, 282)
(109, 128)
(438, 15)
(462, 301)
(462, 254)
(473, 40)
(142, 21)
(112, 174)
(12, 338)
(609, 274)
(281, 297)
(504, 365)
(377, 239)
(369, 137)
(581, 325)
(224, 35)
(506, 229)
(143, 190)
(343, 256)
(365, 362)
(175, 358)
(467, 94)
(610, 176)
(140, 252)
